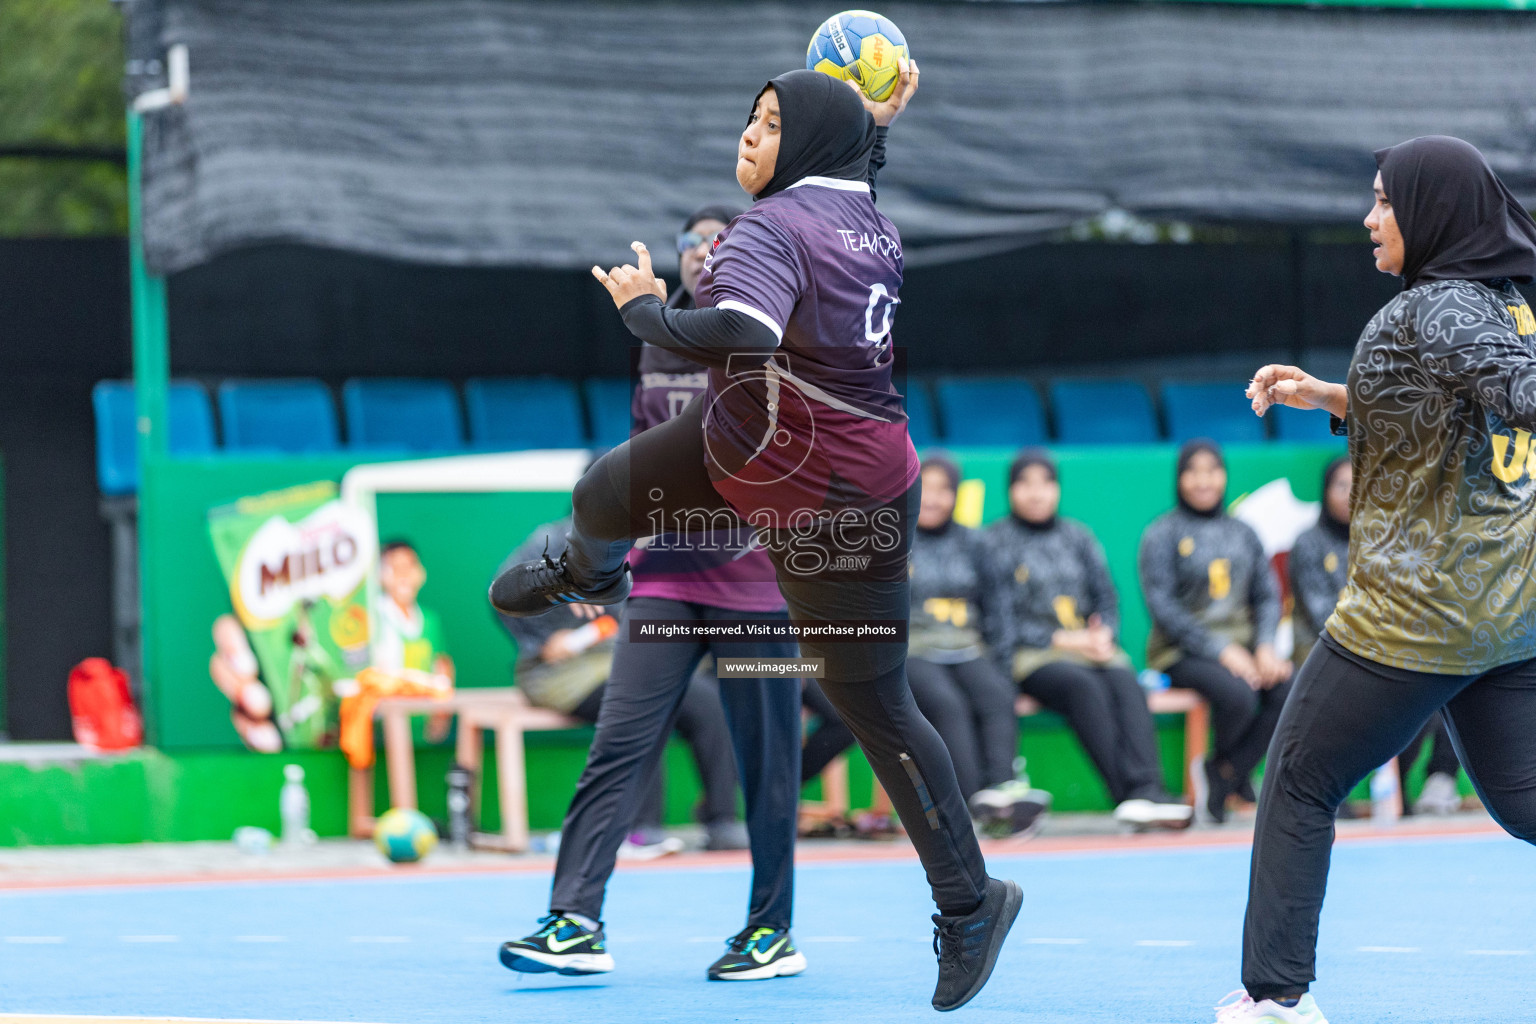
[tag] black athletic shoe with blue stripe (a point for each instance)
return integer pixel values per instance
(533, 588)
(757, 953)
(967, 947)
(560, 945)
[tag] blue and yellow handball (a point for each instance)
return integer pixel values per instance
(861, 47)
(404, 835)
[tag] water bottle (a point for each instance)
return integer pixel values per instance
(1151, 679)
(459, 779)
(293, 807)
(1386, 806)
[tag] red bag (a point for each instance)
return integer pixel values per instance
(102, 708)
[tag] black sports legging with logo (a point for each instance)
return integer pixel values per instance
(1343, 719)
(660, 474)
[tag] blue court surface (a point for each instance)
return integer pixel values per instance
(1416, 929)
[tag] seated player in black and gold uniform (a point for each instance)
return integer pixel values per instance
(1064, 652)
(1215, 606)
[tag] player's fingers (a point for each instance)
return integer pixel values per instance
(661, 289)
(602, 278)
(1284, 387)
(643, 258)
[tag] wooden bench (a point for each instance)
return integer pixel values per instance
(1197, 727)
(502, 710)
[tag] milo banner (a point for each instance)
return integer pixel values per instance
(296, 562)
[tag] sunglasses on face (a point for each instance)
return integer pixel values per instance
(689, 240)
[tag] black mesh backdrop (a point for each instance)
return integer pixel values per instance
(550, 134)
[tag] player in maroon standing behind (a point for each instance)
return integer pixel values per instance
(801, 433)
(727, 579)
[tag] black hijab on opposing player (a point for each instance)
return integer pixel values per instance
(1192, 448)
(1458, 220)
(681, 298)
(826, 131)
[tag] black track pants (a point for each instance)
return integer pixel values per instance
(649, 684)
(971, 705)
(1244, 717)
(830, 737)
(1342, 721)
(1107, 709)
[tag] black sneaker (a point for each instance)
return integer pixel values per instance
(533, 588)
(967, 947)
(756, 953)
(1211, 790)
(562, 946)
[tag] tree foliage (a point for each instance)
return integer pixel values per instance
(61, 64)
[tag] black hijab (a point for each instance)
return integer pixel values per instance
(826, 131)
(951, 469)
(1325, 518)
(1192, 448)
(715, 211)
(1026, 458)
(1458, 220)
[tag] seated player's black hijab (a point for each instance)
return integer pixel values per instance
(826, 133)
(1325, 519)
(951, 470)
(1192, 448)
(1026, 458)
(1458, 220)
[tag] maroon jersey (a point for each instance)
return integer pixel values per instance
(819, 426)
(738, 576)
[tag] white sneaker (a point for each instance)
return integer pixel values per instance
(1440, 795)
(1239, 1008)
(650, 851)
(1141, 813)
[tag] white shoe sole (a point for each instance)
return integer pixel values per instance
(784, 967)
(1144, 814)
(565, 963)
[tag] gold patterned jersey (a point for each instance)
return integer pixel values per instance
(1442, 404)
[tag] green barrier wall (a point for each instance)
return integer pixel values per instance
(463, 537)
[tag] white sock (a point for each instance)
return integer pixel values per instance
(586, 922)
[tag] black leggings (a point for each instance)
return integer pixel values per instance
(971, 705)
(1107, 709)
(659, 474)
(1244, 717)
(1343, 721)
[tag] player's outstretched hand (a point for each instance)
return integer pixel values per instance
(626, 283)
(891, 107)
(1293, 386)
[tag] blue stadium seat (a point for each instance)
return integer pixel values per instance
(608, 403)
(117, 439)
(523, 412)
(1103, 412)
(1307, 425)
(402, 414)
(1217, 411)
(990, 410)
(920, 422)
(291, 415)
